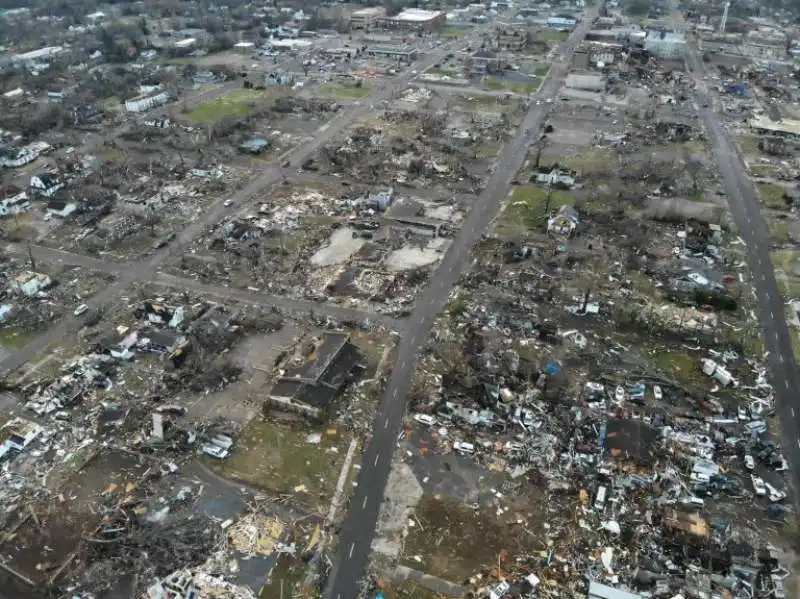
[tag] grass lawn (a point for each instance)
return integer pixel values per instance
(788, 282)
(772, 195)
(239, 103)
(286, 578)
(489, 149)
(748, 144)
(13, 338)
(278, 457)
(694, 146)
(591, 162)
(512, 86)
(763, 170)
(552, 36)
(527, 205)
(111, 104)
(779, 229)
(454, 541)
(678, 365)
(488, 103)
(794, 335)
(542, 70)
(453, 32)
(408, 590)
(442, 72)
(21, 232)
(345, 92)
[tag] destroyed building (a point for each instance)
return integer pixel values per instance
(315, 376)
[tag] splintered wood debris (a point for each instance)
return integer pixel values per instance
(255, 534)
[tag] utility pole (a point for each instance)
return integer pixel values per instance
(30, 257)
(586, 300)
(548, 200)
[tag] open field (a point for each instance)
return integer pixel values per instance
(772, 195)
(453, 540)
(283, 458)
(237, 104)
(512, 86)
(344, 92)
(552, 36)
(527, 207)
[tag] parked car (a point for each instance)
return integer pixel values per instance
(759, 487)
(775, 495)
(425, 419)
(215, 451)
(658, 394)
(168, 468)
(749, 462)
(164, 241)
(80, 309)
(463, 447)
(223, 441)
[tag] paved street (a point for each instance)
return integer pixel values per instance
(145, 270)
(746, 212)
(359, 525)
(285, 304)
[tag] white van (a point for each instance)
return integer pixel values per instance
(600, 499)
(464, 448)
(757, 427)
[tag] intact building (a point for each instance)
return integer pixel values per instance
(367, 18)
(146, 102)
(416, 19)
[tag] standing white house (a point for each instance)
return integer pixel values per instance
(146, 102)
(46, 184)
(19, 157)
(15, 204)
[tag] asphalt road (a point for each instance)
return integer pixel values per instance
(146, 269)
(744, 205)
(358, 527)
(285, 304)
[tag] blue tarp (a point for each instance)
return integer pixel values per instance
(736, 89)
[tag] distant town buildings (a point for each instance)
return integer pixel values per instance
(146, 102)
(665, 44)
(416, 19)
(367, 18)
(562, 23)
(37, 55)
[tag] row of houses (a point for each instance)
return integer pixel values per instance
(42, 185)
(146, 101)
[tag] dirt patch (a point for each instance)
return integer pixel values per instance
(408, 590)
(454, 541)
(403, 491)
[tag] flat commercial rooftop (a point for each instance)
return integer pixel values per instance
(417, 14)
(789, 126)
